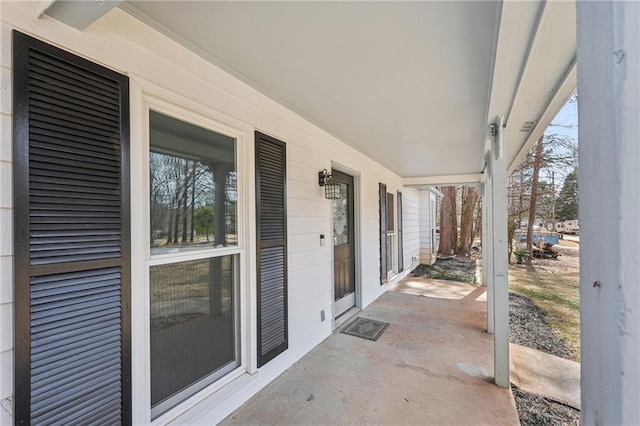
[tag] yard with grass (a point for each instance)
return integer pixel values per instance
(553, 286)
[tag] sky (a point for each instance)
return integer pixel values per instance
(564, 124)
(566, 121)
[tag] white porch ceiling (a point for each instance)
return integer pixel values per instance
(410, 84)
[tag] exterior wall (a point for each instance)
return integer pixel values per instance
(411, 232)
(162, 67)
(427, 227)
(6, 231)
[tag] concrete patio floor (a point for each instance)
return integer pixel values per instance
(432, 366)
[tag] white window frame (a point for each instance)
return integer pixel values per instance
(392, 249)
(146, 96)
(433, 205)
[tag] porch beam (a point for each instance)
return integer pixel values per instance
(467, 179)
(500, 280)
(559, 97)
(609, 179)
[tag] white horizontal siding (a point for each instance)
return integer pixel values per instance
(5, 88)
(411, 227)
(6, 336)
(305, 242)
(6, 226)
(6, 271)
(317, 271)
(6, 409)
(305, 259)
(6, 194)
(6, 147)
(6, 328)
(301, 190)
(297, 207)
(6, 350)
(306, 224)
(427, 201)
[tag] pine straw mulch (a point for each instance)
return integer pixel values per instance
(454, 269)
(528, 327)
(535, 410)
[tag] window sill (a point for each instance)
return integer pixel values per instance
(206, 401)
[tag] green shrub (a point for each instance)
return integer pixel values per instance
(521, 255)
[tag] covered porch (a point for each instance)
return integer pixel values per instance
(432, 365)
(402, 97)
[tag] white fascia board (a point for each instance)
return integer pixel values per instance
(517, 30)
(565, 89)
(548, 79)
(468, 179)
(535, 70)
(80, 14)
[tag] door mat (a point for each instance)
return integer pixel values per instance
(366, 328)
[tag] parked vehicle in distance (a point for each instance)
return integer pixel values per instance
(546, 237)
(568, 227)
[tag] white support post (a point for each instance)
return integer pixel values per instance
(500, 271)
(609, 179)
(483, 232)
(487, 245)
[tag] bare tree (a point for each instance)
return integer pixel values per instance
(477, 227)
(552, 158)
(193, 201)
(186, 183)
(537, 161)
(468, 207)
(448, 221)
(518, 191)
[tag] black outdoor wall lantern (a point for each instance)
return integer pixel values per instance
(331, 190)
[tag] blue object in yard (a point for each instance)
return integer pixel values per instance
(547, 238)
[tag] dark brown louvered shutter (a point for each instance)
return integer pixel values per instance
(271, 216)
(382, 189)
(400, 243)
(71, 236)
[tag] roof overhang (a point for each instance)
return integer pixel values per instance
(413, 85)
(531, 98)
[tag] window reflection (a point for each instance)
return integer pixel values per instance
(193, 186)
(193, 332)
(341, 217)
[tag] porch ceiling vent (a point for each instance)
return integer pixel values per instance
(528, 125)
